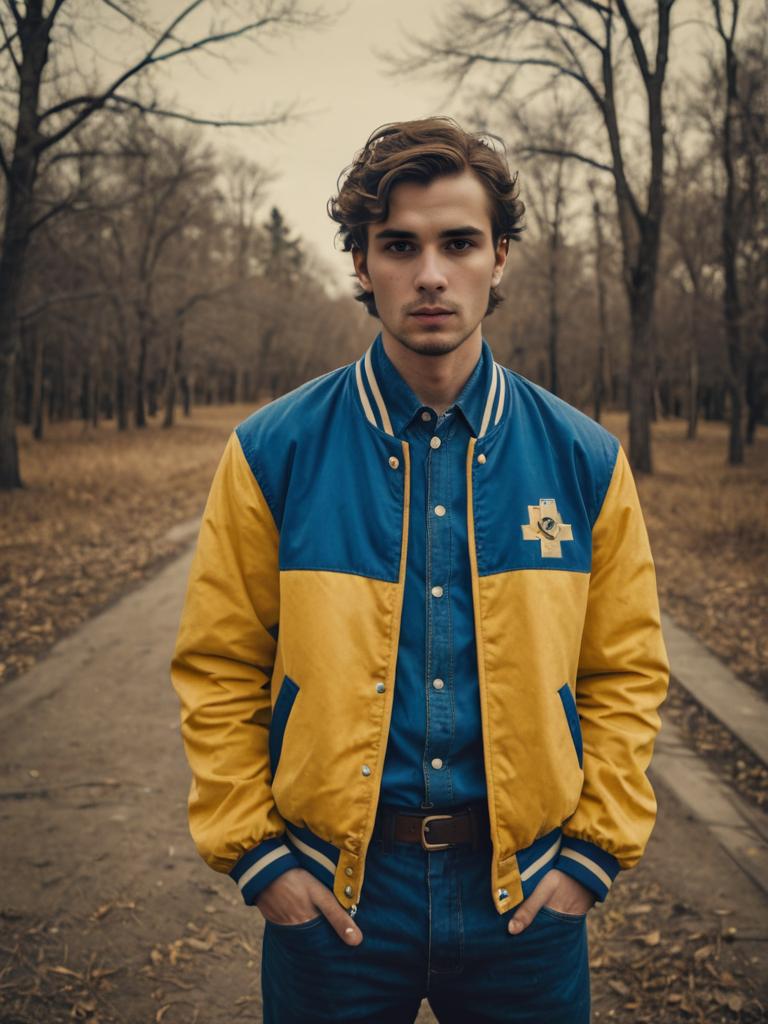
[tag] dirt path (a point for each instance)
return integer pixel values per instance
(107, 913)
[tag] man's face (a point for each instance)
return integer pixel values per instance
(432, 262)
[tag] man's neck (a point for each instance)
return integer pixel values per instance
(435, 380)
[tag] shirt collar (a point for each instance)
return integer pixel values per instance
(402, 404)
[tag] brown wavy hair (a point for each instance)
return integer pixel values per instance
(422, 151)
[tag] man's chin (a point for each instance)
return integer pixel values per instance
(429, 342)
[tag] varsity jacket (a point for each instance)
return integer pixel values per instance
(287, 649)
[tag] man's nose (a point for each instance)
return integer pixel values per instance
(430, 273)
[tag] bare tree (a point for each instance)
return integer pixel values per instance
(547, 190)
(732, 307)
(579, 43)
(44, 123)
(598, 388)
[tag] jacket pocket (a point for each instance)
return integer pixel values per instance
(282, 709)
(572, 717)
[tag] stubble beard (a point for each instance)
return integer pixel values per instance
(435, 345)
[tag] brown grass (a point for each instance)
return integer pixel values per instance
(708, 524)
(92, 520)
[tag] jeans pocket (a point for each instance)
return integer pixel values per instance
(301, 926)
(559, 915)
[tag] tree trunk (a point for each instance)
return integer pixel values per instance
(693, 371)
(36, 416)
(172, 374)
(19, 200)
(554, 319)
(140, 415)
(730, 243)
(186, 385)
(602, 335)
(640, 378)
(121, 388)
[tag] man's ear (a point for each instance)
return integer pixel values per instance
(502, 251)
(361, 269)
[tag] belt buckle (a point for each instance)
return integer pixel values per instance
(425, 843)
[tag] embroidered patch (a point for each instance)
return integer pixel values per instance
(546, 525)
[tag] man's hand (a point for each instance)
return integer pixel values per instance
(296, 896)
(556, 890)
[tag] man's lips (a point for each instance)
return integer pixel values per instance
(432, 316)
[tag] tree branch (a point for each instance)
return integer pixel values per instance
(574, 25)
(154, 57)
(637, 43)
(116, 102)
(568, 154)
(52, 300)
(8, 45)
(11, 5)
(542, 62)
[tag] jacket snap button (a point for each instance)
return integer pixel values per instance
(435, 442)
(349, 872)
(365, 770)
(348, 890)
(380, 687)
(481, 459)
(394, 461)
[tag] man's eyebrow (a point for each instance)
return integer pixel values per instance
(448, 233)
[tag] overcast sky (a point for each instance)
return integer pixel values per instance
(334, 76)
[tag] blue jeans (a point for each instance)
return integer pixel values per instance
(429, 930)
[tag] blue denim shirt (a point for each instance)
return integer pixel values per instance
(435, 751)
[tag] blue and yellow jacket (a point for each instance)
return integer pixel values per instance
(286, 654)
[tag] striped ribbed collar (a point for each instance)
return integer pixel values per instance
(390, 404)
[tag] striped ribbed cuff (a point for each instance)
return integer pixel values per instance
(262, 865)
(588, 864)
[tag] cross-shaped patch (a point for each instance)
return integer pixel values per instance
(545, 524)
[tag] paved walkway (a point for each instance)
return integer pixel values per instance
(93, 787)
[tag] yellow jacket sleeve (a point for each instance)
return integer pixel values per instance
(221, 671)
(621, 681)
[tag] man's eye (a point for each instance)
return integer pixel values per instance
(398, 246)
(463, 243)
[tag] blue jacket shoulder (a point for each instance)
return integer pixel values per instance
(577, 438)
(271, 436)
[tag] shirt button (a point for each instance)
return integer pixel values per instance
(481, 459)
(437, 591)
(365, 770)
(435, 442)
(438, 684)
(426, 416)
(437, 762)
(380, 687)
(439, 510)
(394, 461)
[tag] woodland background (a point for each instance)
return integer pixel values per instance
(152, 293)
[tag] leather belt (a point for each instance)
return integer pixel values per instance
(435, 830)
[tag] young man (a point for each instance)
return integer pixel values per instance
(420, 659)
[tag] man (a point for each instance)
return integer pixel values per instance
(420, 659)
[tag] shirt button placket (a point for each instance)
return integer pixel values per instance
(440, 709)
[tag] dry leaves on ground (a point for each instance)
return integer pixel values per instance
(92, 521)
